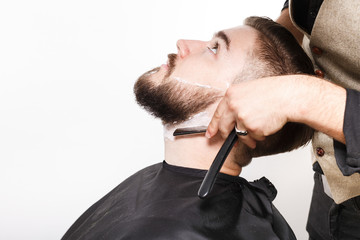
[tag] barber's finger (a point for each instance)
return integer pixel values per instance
(248, 140)
(226, 125)
(213, 127)
(244, 136)
(257, 137)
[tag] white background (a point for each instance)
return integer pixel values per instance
(70, 130)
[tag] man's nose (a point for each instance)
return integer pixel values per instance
(187, 47)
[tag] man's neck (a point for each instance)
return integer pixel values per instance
(198, 152)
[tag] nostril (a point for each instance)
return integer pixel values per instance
(184, 53)
(182, 48)
(179, 44)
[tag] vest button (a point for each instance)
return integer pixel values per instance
(316, 51)
(320, 152)
(319, 73)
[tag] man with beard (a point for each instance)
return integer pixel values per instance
(160, 201)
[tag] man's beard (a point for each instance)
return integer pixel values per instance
(172, 101)
(175, 101)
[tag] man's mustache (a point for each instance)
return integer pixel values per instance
(172, 59)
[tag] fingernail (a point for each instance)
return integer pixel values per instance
(207, 134)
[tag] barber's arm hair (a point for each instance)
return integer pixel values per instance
(284, 19)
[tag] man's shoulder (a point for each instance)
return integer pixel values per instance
(146, 172)
(149, 169)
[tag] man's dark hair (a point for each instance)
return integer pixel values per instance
(278, 49)
(278, 53)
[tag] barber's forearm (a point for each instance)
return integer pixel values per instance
(284, 19)
(320, 105)
(263, 106)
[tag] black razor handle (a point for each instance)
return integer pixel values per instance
(219, 160)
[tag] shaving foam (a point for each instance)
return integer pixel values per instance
(181, 80)
(200, 119)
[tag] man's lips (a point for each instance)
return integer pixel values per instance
(165, 66)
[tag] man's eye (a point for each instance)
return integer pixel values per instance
(214, 48)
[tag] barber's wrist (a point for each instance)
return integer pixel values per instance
(319, 104)
(302, 95)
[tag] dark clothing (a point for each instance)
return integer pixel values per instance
(328, 220)
(349, 161)
(308, 10)
(161, 202)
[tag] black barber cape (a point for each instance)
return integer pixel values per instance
(161, 202)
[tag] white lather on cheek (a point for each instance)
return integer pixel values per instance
(203, 86)
(181, 80)
(227, 85)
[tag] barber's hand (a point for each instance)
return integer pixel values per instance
(260, 107)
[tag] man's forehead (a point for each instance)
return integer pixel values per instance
(238, 30)
(238, 35)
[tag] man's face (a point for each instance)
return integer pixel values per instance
(197, 76)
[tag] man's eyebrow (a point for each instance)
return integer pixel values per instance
(223, 36)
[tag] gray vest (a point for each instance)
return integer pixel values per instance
(334, 47)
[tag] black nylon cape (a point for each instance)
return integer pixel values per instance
(160, 202)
